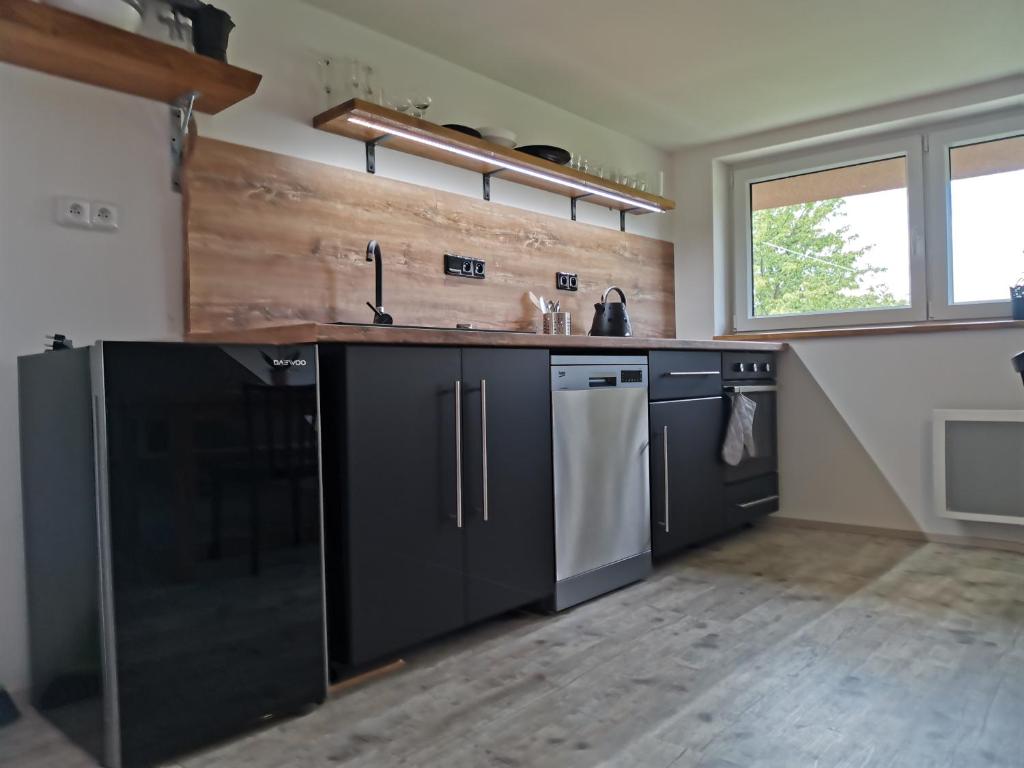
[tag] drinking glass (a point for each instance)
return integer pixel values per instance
(355, 77)
(369, 83)
(420, 102)
(384, 99)
(325, 72)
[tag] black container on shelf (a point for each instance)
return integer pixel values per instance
(1017, 301)
(210, 28)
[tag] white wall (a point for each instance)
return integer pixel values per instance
(825, 472)
(882, 389)
(283, 39)
(59, 137)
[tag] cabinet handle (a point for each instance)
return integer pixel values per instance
(758, 502)
(742, 389)
(483, 438)
(693, 373)
(664, 450)
(458, 453)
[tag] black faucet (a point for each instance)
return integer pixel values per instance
(380, 317)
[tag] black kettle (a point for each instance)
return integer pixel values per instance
(611, 319)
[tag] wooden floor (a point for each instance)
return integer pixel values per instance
(777, 647)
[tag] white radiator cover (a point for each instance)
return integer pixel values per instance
(978, 460)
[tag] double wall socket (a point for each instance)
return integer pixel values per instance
(86, 214)
(464, 266)
(567, 281)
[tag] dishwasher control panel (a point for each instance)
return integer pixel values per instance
(598, 372)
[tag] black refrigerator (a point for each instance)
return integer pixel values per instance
(173, 536)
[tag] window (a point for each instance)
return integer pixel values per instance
(831, 241)
(975, 182)
(828, 239)
(839, 237)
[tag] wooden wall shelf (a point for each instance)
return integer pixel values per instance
(65, 44)
(404, 133)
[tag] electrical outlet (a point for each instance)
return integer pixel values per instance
(104, 216)
(464, 266)
(73, 212)
(567, 281)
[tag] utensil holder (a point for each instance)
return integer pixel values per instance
(557, 323)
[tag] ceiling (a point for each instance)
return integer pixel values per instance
(681, 72)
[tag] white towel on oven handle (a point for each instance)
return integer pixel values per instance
(740, 431)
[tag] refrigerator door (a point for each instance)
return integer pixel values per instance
(214, 526)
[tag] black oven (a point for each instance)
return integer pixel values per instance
(752, 485)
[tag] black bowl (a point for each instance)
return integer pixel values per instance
(464, 129)
(555, 155)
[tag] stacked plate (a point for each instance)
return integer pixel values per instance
(506, 138)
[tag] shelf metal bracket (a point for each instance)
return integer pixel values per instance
(371, 152)
(622, 217)
(572, 204)
(487, 182)
(181, 117)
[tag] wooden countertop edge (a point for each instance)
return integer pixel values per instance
(309, 333)
(935, 326)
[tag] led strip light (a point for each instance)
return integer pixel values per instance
(584, 188)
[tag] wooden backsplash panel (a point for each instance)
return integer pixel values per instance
(272, 239)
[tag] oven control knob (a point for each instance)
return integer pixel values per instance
(767, 367)
(741, 367)
(755, 367)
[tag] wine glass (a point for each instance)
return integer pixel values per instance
(420, 103)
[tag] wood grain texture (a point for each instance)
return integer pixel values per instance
(50, 40)
(311, 333)
(273, 239)
(932, 326)
(775, 648)
(337, 120)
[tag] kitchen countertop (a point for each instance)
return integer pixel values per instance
(307, 333)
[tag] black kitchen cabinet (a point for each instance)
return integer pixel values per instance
(687, 507)
(403, 548)
(410, 554)
(509, 549)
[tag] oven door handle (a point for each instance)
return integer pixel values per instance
(744, 389)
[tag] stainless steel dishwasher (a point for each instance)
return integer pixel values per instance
(602, 491)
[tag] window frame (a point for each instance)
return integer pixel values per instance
(823, 159)
(939, 214)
